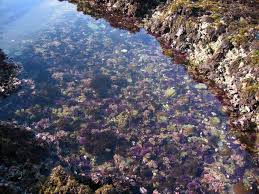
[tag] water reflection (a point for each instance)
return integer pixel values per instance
(22, 20)
(115, 107)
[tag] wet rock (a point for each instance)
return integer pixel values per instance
(8, 75)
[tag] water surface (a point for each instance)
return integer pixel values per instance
(114, 107)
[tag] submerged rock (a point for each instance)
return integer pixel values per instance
(124, 50)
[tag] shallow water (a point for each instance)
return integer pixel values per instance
(115, 108)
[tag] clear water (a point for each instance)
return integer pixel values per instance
(114, 107)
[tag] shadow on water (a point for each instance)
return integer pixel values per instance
(47, 87)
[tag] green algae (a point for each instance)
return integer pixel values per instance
(169, 92)
(171, 127)
(214, 121)
(188, 126)
(195, 6)
(252, 88)
(62, 182)
(174, 6)
(200, 86)
(241, 36)
(121, 120)
(162, 118)
(106, 189)
(254, 58)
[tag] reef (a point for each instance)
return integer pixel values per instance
(220, 38)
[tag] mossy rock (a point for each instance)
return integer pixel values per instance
(61, 182)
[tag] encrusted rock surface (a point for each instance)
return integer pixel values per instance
(220, 38)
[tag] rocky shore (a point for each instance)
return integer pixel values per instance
(219, 37)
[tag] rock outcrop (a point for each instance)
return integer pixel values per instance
(8, 75)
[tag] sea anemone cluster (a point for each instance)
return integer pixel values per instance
(117, 110)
